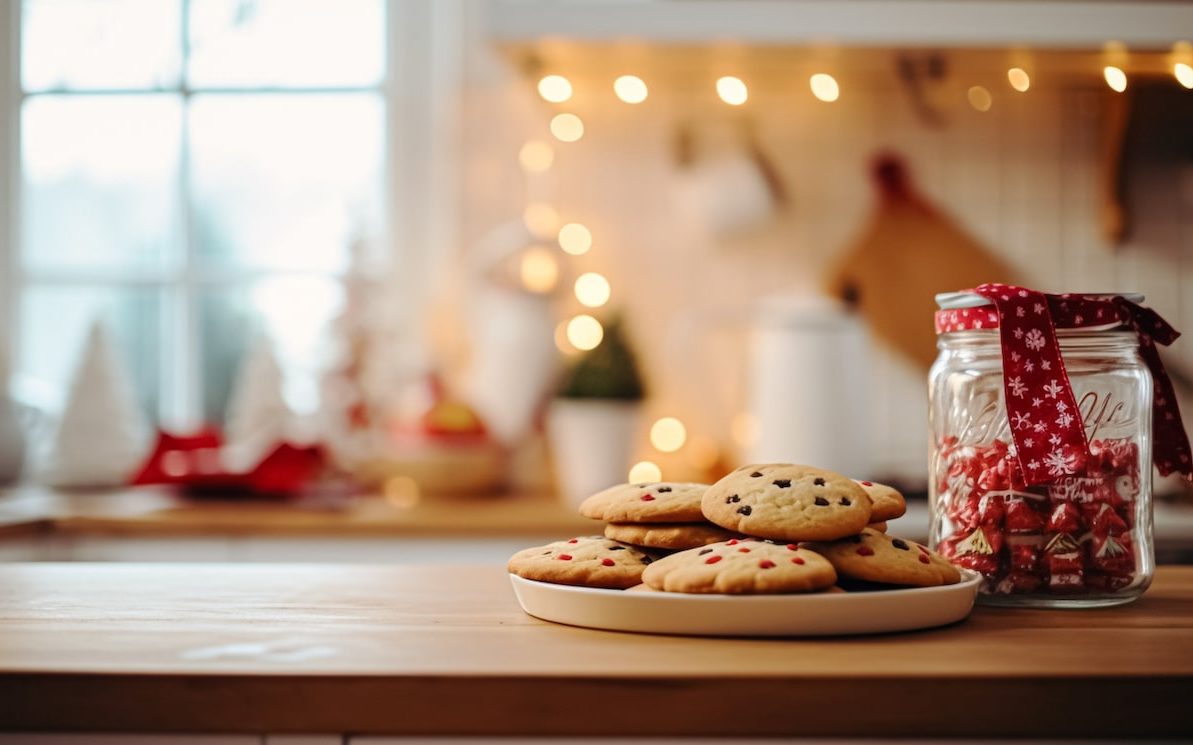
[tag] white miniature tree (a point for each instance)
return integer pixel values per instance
(102, 435)
(257, 415)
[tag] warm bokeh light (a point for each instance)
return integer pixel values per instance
(585, 332)
(630, 88)
(402, 492)
(645, 472)
(539, 269)
(1183, 74)
(702, 452)
(668, 434)
(732, 90)
(825, 87)
(555, 88)
(575, 239)
(567, 127)
(536, 156)
(592, 289)
(1019, 79)
(540, 219)
(744, 429)
(561, 339)
(980, 98)
(1115, 78)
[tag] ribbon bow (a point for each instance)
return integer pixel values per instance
(1046, 424)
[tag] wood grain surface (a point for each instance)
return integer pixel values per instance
(446, 650)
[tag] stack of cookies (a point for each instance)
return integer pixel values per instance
(763, 529)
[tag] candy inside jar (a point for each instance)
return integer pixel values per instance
(1042, 409)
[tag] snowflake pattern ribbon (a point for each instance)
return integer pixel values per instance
(1034, 377)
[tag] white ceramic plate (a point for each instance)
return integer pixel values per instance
(819, 614)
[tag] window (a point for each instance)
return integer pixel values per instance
(193, 172)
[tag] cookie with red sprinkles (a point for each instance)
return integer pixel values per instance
(667, 536)
(747, 566)
(877, 557)
(660, 502)
(886, 501)
(589, 561)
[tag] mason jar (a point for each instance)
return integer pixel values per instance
(1077, 539)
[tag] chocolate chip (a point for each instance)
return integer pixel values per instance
(822, 502)
(641, 486)
(818, 481)
(617, 548)
(782, 483)
(664, 489)
(745, 509)
(732, 498)
(546, 553)
(756, 474)
(704, 551)
(646, 559)
(845, 502)
(856, 538)
(900, 543)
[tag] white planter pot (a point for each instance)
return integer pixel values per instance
(591, 441)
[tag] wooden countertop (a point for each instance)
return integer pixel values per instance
(149, 512)
(446, 650)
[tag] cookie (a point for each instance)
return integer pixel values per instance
(887, 502)
(646, 503)
(592, 561)
(741, 567)
(671, 536)
(788, 503)
(878, 557)
(879, 526)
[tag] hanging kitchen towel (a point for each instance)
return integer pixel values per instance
(907, 252)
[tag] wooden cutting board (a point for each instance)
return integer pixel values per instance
(909, 251)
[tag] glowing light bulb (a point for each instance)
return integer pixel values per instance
(668, 434)
(540, 219)
(539, 270)
(643, 472)
(555, 88)
(561, 340)
(1019, 79)
(732, 90)
(980, 98)
(592, 289)
(567, 127)
(630, 88)
(1115, 78)
(575, 239)
(1183, 73)
(536, 156)
(585, 332)
(825, 87)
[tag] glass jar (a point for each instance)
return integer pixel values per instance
(1082, 540)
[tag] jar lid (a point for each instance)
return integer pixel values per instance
(966, 299)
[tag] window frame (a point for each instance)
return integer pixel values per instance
(423, 64)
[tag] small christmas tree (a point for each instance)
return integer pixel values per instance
(258, 417)
(101, 437)
(609, 371)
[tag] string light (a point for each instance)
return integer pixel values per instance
(536, 156)
(561, 340)
(567, 127)
(1019, 79)
(1115, 78)
(824, 87)
(540, 219)
(575, 239)
(539, 269)
(592, 289)
(645, 471)
(1183, 73)
(555, 88)
(585, 332)
(630, 89)
(980, 98)
(668, 434)
(732, 90)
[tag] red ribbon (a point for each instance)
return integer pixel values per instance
(1045, 424)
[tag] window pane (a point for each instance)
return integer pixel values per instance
(293, 312)
(286, 43)
(100, 182)
(54, 324)
(81, 44)
(284, 181)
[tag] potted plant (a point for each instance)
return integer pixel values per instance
(593, 419)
